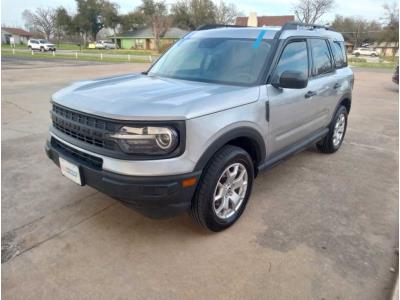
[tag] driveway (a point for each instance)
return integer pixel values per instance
(317, 226)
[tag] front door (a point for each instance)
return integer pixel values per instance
(291, 110)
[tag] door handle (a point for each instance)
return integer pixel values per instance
(310, 94)
(337, 85)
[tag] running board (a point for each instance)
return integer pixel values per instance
(292, 150)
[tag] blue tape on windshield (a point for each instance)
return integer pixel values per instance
(259, 39)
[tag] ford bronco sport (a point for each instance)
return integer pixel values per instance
(193, 132)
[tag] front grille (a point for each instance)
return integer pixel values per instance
(80, 156)
(83, 127)
(79, 136)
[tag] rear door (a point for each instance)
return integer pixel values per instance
(290, 109)
(323, 84)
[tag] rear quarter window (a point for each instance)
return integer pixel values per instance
(339, 54)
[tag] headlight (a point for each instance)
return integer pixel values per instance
(146, 140)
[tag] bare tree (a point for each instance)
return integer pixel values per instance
(156, 14)
(310, 11)
(42, 20)
(391, 20)
(226, 13)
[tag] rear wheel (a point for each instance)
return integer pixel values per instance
(337, 130)
(224, 189)
(357, 54)
(41, 49)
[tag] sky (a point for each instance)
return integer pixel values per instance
(11, 10)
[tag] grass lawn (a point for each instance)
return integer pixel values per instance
(49, 56)
(390, 65)
(63, 46)
(387, 63)
(120, 51)
(72, 46)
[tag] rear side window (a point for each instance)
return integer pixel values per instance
(322, 62)
(294, 58)
(340, 59)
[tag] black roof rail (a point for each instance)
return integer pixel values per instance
(214, 26)
(295, 25)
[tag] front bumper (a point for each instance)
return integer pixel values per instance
(153, 196)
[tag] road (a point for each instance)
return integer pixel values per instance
(317, 226)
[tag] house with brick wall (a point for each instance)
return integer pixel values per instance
(258, 21)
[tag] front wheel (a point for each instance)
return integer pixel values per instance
(224, 189)
(337, 130)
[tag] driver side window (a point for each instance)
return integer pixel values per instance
(293, 58)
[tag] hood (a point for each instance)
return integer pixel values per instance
(142, 97)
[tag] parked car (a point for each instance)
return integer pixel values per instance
(194, 131)
(395, 77)
(365, 51)
(41, 45)
(105, 45)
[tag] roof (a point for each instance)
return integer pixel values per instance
(266, 20)
(385, 45)
(147, 33)
(17, 31)
(267, 33)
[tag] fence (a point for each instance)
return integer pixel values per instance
(78, 55)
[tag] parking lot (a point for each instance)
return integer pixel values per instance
(317, 226)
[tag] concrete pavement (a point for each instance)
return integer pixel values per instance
(317, 226)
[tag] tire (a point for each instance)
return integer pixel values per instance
(29, 48)
(373, 55)
(357, 54)
(329, 144)
(42, 49)
(204, 208)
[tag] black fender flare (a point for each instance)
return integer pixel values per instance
(240, 132)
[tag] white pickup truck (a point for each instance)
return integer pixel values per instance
(105, 45)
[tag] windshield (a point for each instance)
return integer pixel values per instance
(219, 60)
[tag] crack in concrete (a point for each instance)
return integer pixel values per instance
(11, 248)
(18, 106)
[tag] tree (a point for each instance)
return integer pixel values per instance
(226, 13)
(42, 21)
(391, 20)
(189, 14)
(133, 20)
(111, 17)
(88, 18)
(62, 22)
(357, 30)
(156, 14)
(310, 11)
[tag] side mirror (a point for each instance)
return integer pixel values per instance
(293, 80)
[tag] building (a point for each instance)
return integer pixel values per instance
(143, 38)
(386, 48)
(20, 36)
(253, 21)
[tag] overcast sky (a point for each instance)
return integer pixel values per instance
(11, 10)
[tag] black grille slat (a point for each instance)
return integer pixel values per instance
(80, 126)
(93, 161)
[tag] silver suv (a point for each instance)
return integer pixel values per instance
(193, 132)
(42, 45)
